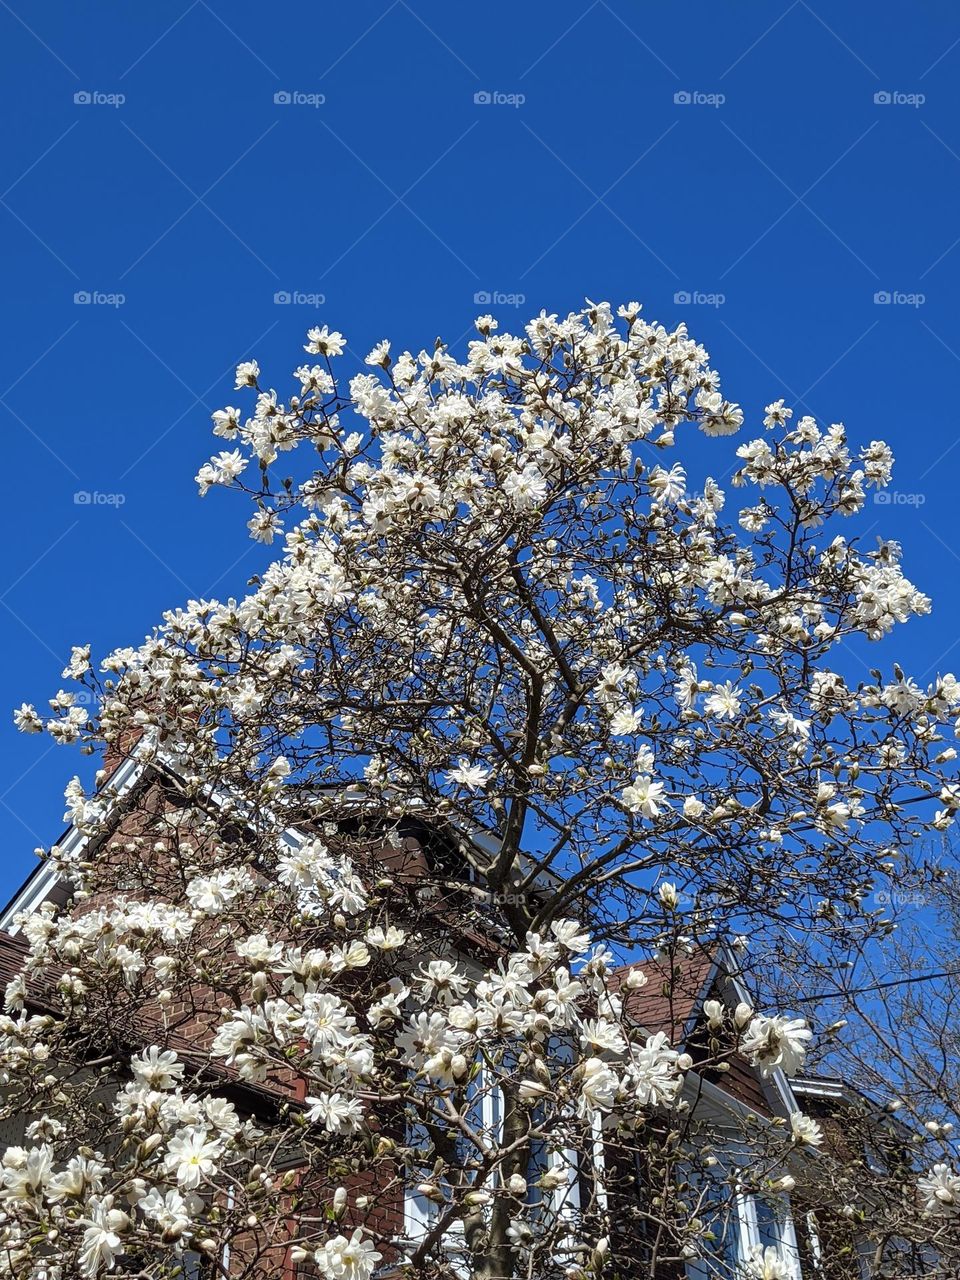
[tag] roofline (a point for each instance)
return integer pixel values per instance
(717, 1093)
(44, 878)
(777, 1076)
(823, 1086)
(725, 961)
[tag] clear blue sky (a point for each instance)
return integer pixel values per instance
(782, 184)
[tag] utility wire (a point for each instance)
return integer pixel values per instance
(878, 986)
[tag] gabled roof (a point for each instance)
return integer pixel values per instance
(672, 1000)
(44, 883)
(674, 992)
(145, 761)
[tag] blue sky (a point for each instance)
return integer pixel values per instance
(769, 173)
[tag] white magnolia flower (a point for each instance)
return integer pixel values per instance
(157, 1069)
(625, 722)
(776, 1042)
(768, 1264)
(101, 1239)
(776, 414)
(806, 1132)
(724, 702)
(472, 776)
(598, 1087)
(645, 797)
(263, 526)
(569, 935)
(347, 1259)
(713, 1012)
(655, 1071)
(442, 980)
(693, 808)
(25, 1173)
(79, 663)
(598, 1035)
(389, 939)
(226, 423)
(27, 720)
(168, 1209)
(213, 893)
(525, 488)
(248, 371)
(192, 1156)
(940, 1191)
(380, 355)
(337, 1113)
(323, 342)
(668, 895)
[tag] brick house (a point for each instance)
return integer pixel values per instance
(726, 1099)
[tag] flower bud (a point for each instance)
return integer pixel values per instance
(668, 896)
(430, 1191)
(742, 1015)
(713, 1011)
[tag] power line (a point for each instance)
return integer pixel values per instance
(878, 986)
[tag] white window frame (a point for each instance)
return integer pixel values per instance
(420, 1215)
(786, 1232)
(813, 1235)
(748, 1236)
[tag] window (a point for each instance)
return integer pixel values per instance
(725, 1247)
(901, 1257)
(485, 1115)
(772, 1227)
(421, 1214)
(195, 1267)
(738, 1225)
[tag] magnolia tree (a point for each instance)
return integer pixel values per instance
(348, 985)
